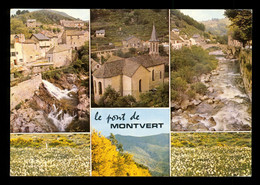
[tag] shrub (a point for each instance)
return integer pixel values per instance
(199, 87)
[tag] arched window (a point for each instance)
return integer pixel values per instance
(99, 87)
(95, 87)
(153, 75)
(140, 85)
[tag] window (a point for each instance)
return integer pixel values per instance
(13, 54)
(153, 75)
(20, 60)
(100, 88)
(140, 85)
(95, 87)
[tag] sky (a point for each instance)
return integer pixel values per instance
(204, 14)
(82, 14)
(155, 115)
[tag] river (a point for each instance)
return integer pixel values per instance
(225, 107)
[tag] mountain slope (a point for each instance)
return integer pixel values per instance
(187, 25)
(151, 151)
(45, 16)
(217, 26)
(119, 24)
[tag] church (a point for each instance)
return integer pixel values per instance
(134, 75)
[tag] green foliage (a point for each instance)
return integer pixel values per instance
(121, 23)
(44, 16)
(189, 25)
(157, 98)
(188, 64)
(241, 24)
(111, 98)
(199, 87)
(17, 26)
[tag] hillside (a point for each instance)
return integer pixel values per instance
(45, 16)
(187, 25)
(151, 151)
(217, 26)
(120, 24)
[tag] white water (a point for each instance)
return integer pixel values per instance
(232, 111)
(60, 120)
(57, 92)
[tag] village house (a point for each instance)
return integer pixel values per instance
(176, 31)
(131, 76)
(31, 51)
(43, 41)
(60, 55)
(100, 33)
(132, 42)
(16, 49)
(52, 36)
(75, 38)
(72, 24)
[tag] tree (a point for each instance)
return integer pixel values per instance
(241, 24)
(108, 161)
(111, 98)
(157, 98)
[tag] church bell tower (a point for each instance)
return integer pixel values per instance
(154, 43)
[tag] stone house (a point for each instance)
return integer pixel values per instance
(16, 49)
(43, 41)
(59, 55)
(176, 31)
(100, 33)
(132, 42)
(75, 38)
(31, 51)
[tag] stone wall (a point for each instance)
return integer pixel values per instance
(24, 90)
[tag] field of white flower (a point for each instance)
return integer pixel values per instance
(50, 155)
(194, 159)
(60, 161)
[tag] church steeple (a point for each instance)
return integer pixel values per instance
(154, 43)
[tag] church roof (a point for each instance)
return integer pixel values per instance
(128, 66)
(153, 35)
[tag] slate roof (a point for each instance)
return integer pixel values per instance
(128, 66)
(40, 36)
(154, 36)
(100, 31)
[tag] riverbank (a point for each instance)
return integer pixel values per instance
(225, 105)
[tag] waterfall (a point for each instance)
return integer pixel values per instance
(60, 119)
(57, 92)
